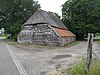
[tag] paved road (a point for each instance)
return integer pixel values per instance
(40, 60)
(7, 66)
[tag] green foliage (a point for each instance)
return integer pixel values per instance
(77, 69)
(13, 13)
(15, 38)
(14, 30)
(94, 68)
(80, 68)
(9, 37)
(82, 16)
(55, 14)
(98, 34)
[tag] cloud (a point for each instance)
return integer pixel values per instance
(52, 5)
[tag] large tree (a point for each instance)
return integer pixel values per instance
(13, 13)
(82, 16)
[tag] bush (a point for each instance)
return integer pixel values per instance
(15, 38)
(12, 37)
(9, 37)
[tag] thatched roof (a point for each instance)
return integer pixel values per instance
(41, 16)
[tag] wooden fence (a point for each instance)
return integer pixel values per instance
(90, 52)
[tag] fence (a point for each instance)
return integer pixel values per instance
(90, 51)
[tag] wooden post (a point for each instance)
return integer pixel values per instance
(89, 51)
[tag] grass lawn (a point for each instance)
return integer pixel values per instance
(80, 68)
(73, 43)
(98, 42)
(10, 42)
(4, 36)
(97, 37)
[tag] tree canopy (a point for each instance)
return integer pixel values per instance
(82, 16)
(16, 12)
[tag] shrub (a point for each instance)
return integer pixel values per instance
(15, 38)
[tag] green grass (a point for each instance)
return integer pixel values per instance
(77, 69)
(80, 68)
(3, 36)
(97, 37)
(73, 43)
(98, 42)
(11, 42)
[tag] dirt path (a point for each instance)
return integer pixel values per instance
(39, 61)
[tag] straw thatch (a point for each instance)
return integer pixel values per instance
(46, 29)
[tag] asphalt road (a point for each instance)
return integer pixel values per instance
(38, 61)
(7, 65)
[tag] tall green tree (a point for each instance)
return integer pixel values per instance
(82, 16)
(13, 13)
(16, 11)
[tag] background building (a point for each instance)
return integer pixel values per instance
(44, 28)
(2, 31)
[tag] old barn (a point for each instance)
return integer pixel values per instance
(44, 28)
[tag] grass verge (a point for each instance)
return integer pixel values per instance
(80, 68)
(73, 43)
(11, 42)
(98, 42)
(97, 37)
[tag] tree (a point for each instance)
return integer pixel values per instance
(82, 16)
(55, 14)
(16, 11)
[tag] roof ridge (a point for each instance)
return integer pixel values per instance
(43, 16)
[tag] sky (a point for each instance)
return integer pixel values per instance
(52, 5)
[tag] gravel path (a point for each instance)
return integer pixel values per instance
(40, 60)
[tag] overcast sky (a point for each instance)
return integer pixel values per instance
(52, 5)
